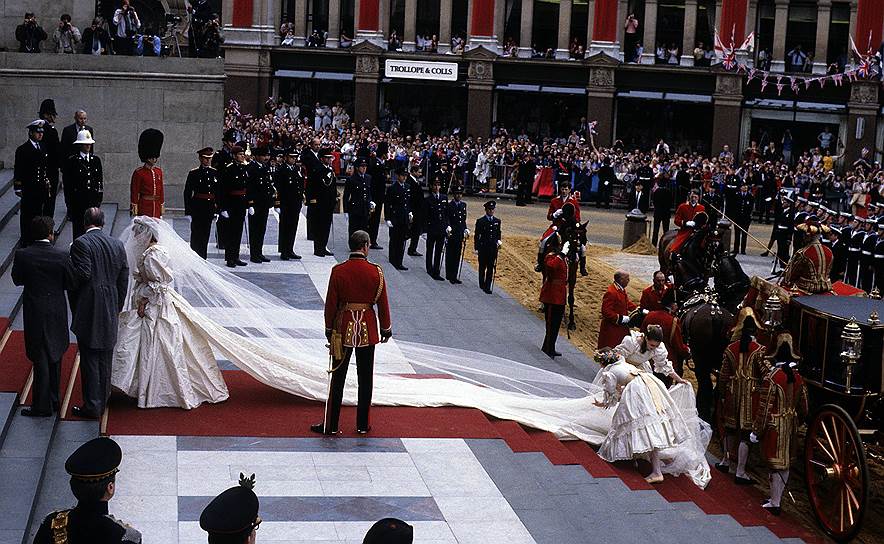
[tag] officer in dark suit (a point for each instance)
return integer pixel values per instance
(662, 199)
(854, 251)
(486, 244)
(30, 178)
(711, 201)
(638, 198)
(867, 256)
(219, 161)
(99, 277)
(289, 182)
(232, 517)
(41, 269)
(740, 210)
(783, 229)
(525, 173)
(607, 177)
(93, 468)
(261, 194)
(879, 257)
(311, 160)
(839, 254)
(378, 194)
(70, 132)
(358, 204)
(457, 219)
(397, 211)
(438, 229)
(322, 194)
(418, 209)
(83, 181)
(200, 189)
(52, 145)
(233, 204)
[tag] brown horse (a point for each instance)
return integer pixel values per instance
(663, 250)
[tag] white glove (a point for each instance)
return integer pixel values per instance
(499, 243)
(410, 216)
(390, 224)
(466, 233)
(566, 247)
(251, 210)
(189, 218)
(448, 230)
(225, 215)
(214, 217)
(690, 224)
(753, 438)
(645, 311)
(276, 210)
(475, 252)
(607, 183)
(18, 193)
(371, 205)
(624, 319)
(557, 213)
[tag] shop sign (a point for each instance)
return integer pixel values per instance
(415, 69)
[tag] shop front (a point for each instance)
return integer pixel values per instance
(422, 96)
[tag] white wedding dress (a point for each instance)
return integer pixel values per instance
(271, 341)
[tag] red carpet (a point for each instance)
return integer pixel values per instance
(14, 364)
(67, 363)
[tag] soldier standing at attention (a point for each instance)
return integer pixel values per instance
(233, 204)
(554, 292)
(147, 180)
(322, 193)
(289, 182)
(457, 219)
(219, 162)
(358, 204)
(418, 211)
(83, 181)
(438, 229)
(93, 470)
(486, 245)
(232, 517)
(199, 201)
(31, 179)
(261, 195)
(397, 210)
(355, 287)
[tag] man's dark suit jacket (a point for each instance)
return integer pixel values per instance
(41, 269)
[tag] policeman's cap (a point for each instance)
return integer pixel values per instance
(457, 190)
(36, 126)
(95, 460)
(813, 204)
(847, 215)
(292, 152)
(389, 531)
(361, 162)
(207, 152)
(802, 200)
(234, 511)
(326, 152)
(490, 205)
(262, 151)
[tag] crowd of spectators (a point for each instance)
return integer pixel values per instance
(490, 164)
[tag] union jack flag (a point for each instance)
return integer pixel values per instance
(730, 61)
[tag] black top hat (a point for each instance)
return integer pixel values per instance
(95, 460)
(389, 531)
(490, 205)
(234, 511)
(48, 106)
(150, 143)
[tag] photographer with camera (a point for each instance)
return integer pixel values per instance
(95, 38)
(29, 35)
(66, 37)
(212, 39)
(127, 23)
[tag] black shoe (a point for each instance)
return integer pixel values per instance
(264, 259)
(765, 254)
(319, 428)
(583, 272)
(284, 257)
(415, 254)
(256, 260)
(319, 253)
(375, 246)
(455, 281)
(295, 256)
(231, 264)
(79, 412)
(240, 262)
(438, 278)
(775, 510)
(364, 431)
(400, 267)
(329, 253)
(487, 291)
(723, 468)
(743, 481)
(29, 412)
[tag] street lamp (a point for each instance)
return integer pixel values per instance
(851, 348)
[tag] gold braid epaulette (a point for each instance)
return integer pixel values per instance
(377, 296)
(59, 527)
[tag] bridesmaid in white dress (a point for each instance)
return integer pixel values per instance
(160, 358)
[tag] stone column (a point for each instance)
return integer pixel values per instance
(480, 91)
(365, 91)
(690, 33)
(823, 18)
(862, 109)
(409, 33)
(600, 100)
(445, 26)
(564, 40)
(622, 8)
(751, 17)
(650, 41)
(727, 110)
(334, 24)
(852, 25)
(500, 22)
(781, 17)
(300, 21)
(590, 19)
(384, 20)
(481, 24)
(526, 27)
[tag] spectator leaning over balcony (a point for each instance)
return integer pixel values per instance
(66, 37)
(212, 39)
(95, 39)
(29, 35)
(631, 31)
(127, 25)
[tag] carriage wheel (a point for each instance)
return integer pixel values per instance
(836, 471)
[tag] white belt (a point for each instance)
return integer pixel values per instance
(782, 227)
(879, 256)
(853, 249)
(867, 252)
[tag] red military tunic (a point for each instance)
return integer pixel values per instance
(615, 304)
(556, 204)
(683, 214)
(738, 382)
(808, 270)
(147, 192)
(783, 407)
(555, 280)
(672, 335)
(354, 288)
(652, 299)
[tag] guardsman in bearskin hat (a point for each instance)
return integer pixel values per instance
(322, 194)
(83, 181)
(93, 470)
(261, 196)
(355, 288)
(554, 291)
(808, 270)
(233, 203)
(290, 182)
(742, 368)
(457, 219)
(438, 229)
(486, 244)
(783, 228)
(389, 531)
(358, 204)
(31, 179)
(232, 517)
(147, 196)
(782, 409)
(200, 190)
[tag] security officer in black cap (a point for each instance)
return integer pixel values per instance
(397, 210)
(233, 203)
(52, 146)
(200, 189)
(289, 181)
(418, 210)
(879, 257)
(389, 531)
(867, 256)
(30, 178)
(438, 229)
(378, 175)
(457, 219)
(358, 204)
(486, 244)
(261, 195)
(854, 251)
(220, 161)
(783, 230)
(93, 469)
(322, 194)
(839, 254)
(232, 517)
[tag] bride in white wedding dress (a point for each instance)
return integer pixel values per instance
(284, 348)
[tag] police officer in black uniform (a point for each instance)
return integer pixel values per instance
(93, 470)
(219, 161)
(486, 244)
(52, 145)
(839, 254)
(378, 173)
(438, 229)
(879, 257)
(457, 219)
(867, 256)
(199, 201)
(740, 210)
(289, 182)
(853, 239)
(322, 194)
(83, 181)
(30, 179)
(397, 211)
(261, 194)
(233, 204)
(783, 229)
(418, 210)
(358, 204)
(232, 517)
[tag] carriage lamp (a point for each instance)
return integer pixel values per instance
(773, 312)
(875, 294)
(851, 347)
